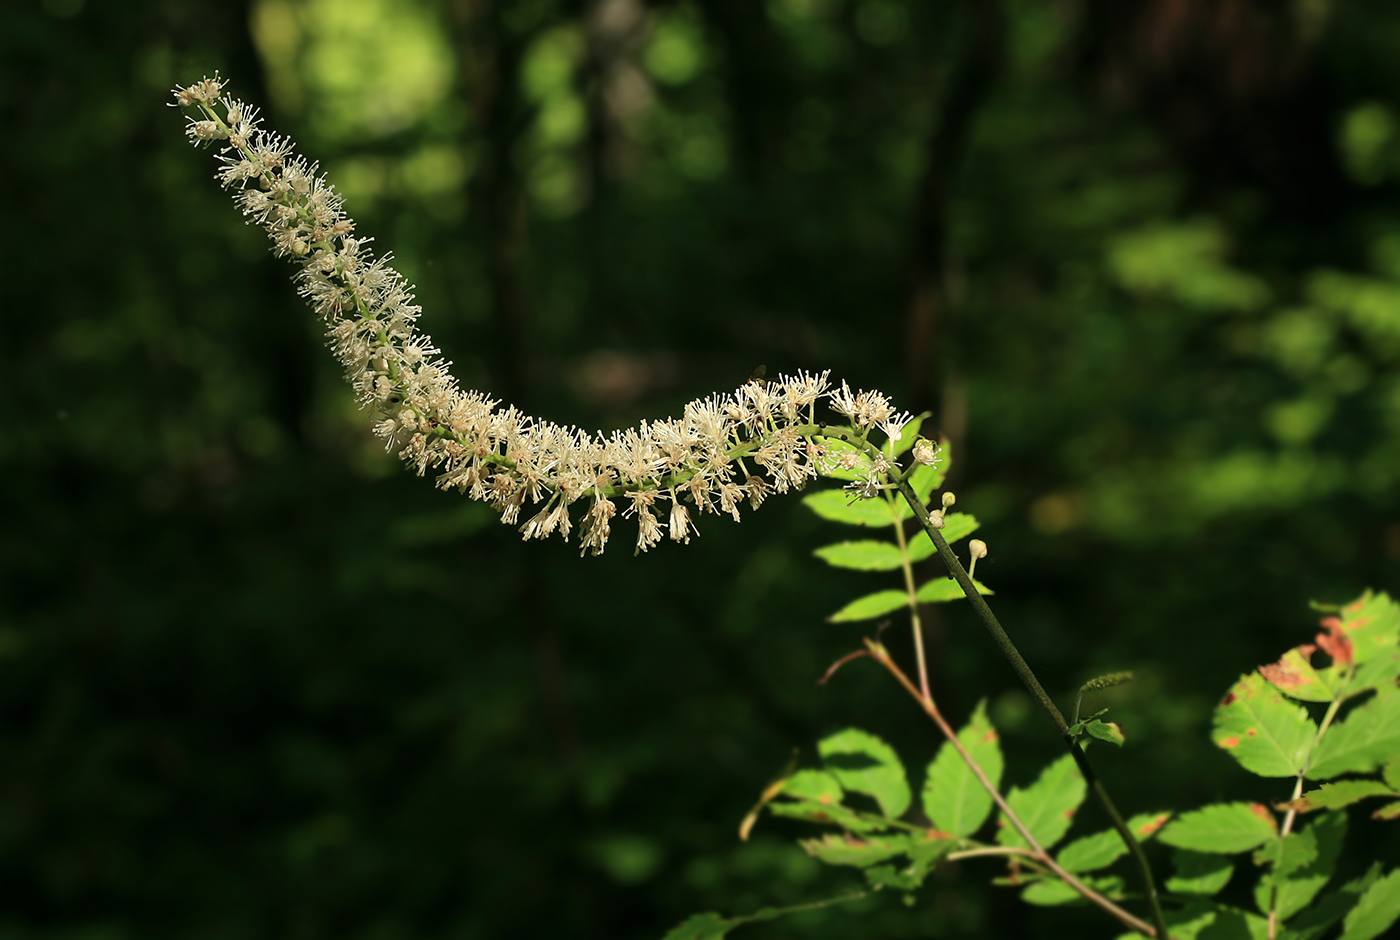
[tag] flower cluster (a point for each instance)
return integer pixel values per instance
(724, 451)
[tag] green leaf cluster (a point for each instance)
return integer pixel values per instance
(900, 550)
(1295, 718)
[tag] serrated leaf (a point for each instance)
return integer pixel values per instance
(1294, 676)
(1367, 737)
(1372, 623)
(1375, 911)
(845, 849)
(953, 799)
(816, 796)
(1047, 807)
(865, 555)
(1339, 794)
(870, 606)
(1052, 892)
(840, 506)
(1102, 849)
(946, 589)
(1267, 734)
(1199, 872)
(1300, 865)
(865, 764)
(1222, 827)
(956, 526)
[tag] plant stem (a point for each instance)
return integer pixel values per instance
(1037, 691)
(914, 618)
(882, 656)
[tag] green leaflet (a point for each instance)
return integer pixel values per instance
(865, 555)
(1222, 827)
(1390, 773)
(1372, 623)
(1102, 849)
(946, 589)
(1051, 892)
(865, 764)
(1268, 735)
(841, 506)
(845, 849)
(923, 851)
(1368, 736)
(871, 605)
(1376, 910)
(816, 796)
(1300, 865)
(1199, 872)
(1047, 807)
(953, 798)
(1339, 794)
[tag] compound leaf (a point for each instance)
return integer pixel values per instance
(946, 589)
(841, 506)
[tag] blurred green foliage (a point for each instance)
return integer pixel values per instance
(255, 681)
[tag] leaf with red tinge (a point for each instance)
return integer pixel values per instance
(1294, 676)
(846, 849)
(1389, 811)
(1268, 735)
(1102, 849)
(1224, 828)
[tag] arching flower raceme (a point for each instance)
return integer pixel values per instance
(724, 450)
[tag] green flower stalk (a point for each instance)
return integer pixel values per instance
(724, 451)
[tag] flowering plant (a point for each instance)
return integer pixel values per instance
(766, 437)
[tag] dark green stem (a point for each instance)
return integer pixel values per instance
(1037, 691)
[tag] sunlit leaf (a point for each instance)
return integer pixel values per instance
(871, 605)
(867, 555)
(1102, 849)
(1047, 807)
(1105, 731)
(1339, 794)
(816, 796)
(845, 849)
(1052, 892)
(953, 799)
(865, 764)
(1222, 827)
(1294, 676)
(946, 589)
(1267, 734)
(1368, 736)
(843, 506)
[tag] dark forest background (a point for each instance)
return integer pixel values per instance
(1141, 261)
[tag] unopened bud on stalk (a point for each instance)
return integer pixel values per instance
(948, 500)
(978, 549)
